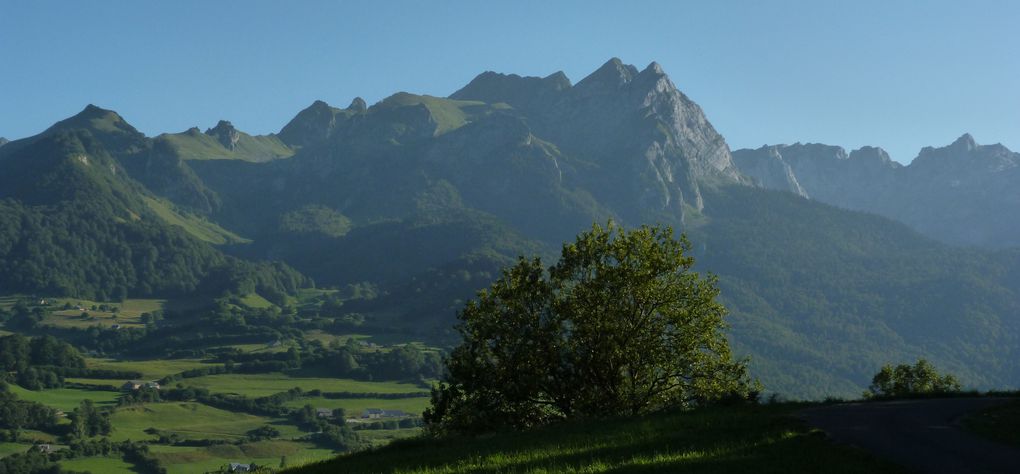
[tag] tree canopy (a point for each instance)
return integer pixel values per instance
(906, 380)
(621, 324)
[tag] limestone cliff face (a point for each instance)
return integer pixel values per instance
(959, 193)
(652, 145)
(768, 169)
(318, 122)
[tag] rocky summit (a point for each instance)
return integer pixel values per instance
(956, 193)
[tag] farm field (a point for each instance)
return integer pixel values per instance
(380, 438)
(6, 449)
(150, 369)
(190, 420)
(98, 464)
(65, 399)
(128, 314)
(354, 406)
(186, 460)
(261, 385)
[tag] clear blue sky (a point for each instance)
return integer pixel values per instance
(896, 74)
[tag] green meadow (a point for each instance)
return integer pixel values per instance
(65, 399)
(6, 448)
(189, 420)
(98, 465)
(761, 439)
(354, 406)
(150, 369)
(261, 385)
(197, 226)
(186, 460)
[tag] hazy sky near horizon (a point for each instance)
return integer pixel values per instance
(896, 74)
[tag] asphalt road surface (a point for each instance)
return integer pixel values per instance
(922, 435)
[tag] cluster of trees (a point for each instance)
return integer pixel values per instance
(905, 380)
(331, 431)
(16, 414)
(28, 360)
(406, 362)
(88, 420)
(620, 325)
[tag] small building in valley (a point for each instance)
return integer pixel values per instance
(373, 413)
(138, 384)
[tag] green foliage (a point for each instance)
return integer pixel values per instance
(315, 220)
(87, 421)
(905, 380)
(620, 325)
(19, 414)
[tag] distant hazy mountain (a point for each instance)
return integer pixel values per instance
(961, 193)
(426, 198)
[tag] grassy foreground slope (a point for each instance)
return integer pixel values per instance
(724, 439)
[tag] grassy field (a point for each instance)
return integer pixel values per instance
(380, 438)
(99, 465)
(354, 406)
(181, 459)
(255, 300)
(129, 313)
(150, 369)
(6, 449)
(728, 439)
(260, 385)
(65, 399)
(189, 420)
(998, 423)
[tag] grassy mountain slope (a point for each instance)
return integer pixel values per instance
(73, 223)
(195, 145)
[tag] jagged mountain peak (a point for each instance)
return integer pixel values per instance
(358, 105)
(610, 76)
(313, 124)
(225, 133)
(965, 142)
(654, 68)
(871, 154)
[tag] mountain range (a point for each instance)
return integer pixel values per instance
(960, 193)
(831, 263)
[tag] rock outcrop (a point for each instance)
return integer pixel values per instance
(225, 133)
(959, 193)
(653, 146)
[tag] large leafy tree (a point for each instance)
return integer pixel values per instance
(620, 325)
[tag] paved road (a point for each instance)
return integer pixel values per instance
(920, 434)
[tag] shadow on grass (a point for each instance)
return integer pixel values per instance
(735, 439)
